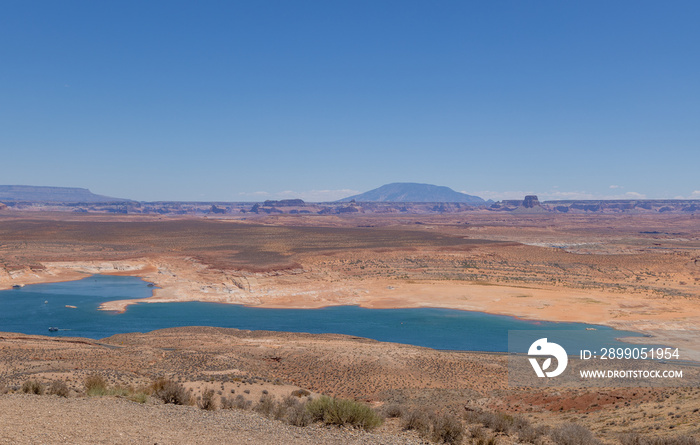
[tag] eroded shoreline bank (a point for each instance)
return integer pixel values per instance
(182, 280)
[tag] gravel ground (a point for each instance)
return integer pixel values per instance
(26, 419)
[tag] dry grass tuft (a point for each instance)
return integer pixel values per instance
(170, 392)
(417, 421)
(33, 387)
(208, 401)
(59, 388)
(573, 434)
(266, 405)
(298, 415)
(392, 411)
(637, 439)
(447, 428)
(95, 385)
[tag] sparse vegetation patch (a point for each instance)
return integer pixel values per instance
(170, 392)
(334, 411)
(33, 387)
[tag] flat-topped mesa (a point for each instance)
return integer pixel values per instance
(531, 201)
(531, 204)
(284, 203)
(31, 193)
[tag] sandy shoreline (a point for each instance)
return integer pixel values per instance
(179, 281)
(640, 282)
(175, 283)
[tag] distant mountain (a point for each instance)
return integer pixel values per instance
(51, 194)
(412, 192)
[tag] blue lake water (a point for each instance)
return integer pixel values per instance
(24, 310)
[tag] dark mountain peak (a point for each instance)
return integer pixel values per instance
(414, 192)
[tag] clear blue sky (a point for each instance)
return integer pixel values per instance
(170, 100)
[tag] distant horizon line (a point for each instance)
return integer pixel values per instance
(267, 196)
(339, 202)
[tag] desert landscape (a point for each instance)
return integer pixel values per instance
(350, 222)
(627, 271)
(639, 272)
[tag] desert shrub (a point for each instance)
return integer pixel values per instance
(532, 434)
(280, 411)
(170, 392)
(266, 405)
(477, 431)
(637, 439)
(318, 407)
(472, 416)
(520, 423)
(4, 389)
(241, 403)
(332, 411)
(290, 401)
(95, 385)
(300, 393)
(447, 428)
(633, 439)
(59, 388)
(573, 434)
(416, 420)
(231, 403)
(498, 422)
(677, 440)
(392, 411)
(32, 387)
(207, 401)
(298, 415)
(482, 437)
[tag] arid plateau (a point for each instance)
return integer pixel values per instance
(637, 272)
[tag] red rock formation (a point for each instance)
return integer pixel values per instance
(531, 201)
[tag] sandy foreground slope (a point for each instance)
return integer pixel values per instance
(29, 420)
(233, 362)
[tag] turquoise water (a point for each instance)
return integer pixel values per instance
(24, 310)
